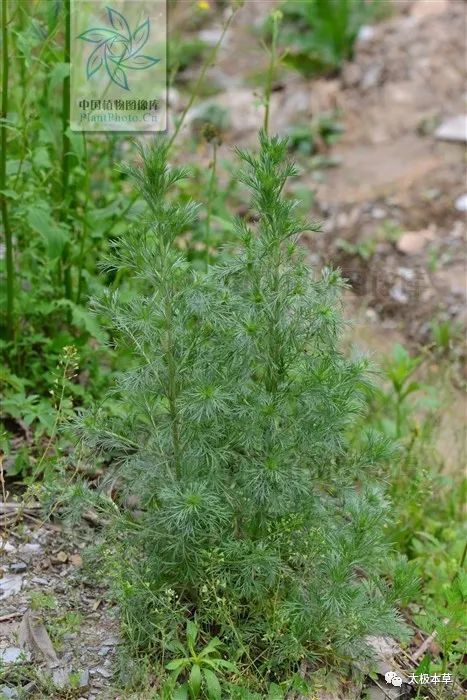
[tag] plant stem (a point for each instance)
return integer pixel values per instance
(276, 18)
(210, 59)
(212, 181)
(84, 231)
(66, 154)
(10, 271)
(172, 384)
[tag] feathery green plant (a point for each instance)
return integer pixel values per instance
(241, 505)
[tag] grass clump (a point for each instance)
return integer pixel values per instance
(322, 33)
(242, 514)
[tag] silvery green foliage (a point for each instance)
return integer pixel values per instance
(254, 514)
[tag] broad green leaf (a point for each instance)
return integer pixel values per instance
(212, 685)
(10, 193)
(106, 212)
(55, 235)
(83, 319)
(275, 692)
(180, 693)
(175, 664)
(41, 158)
(191, 632)
(13, 165)
(223, 663)
(211, 646)
(77, 144)
(195, 680)
(59, 72)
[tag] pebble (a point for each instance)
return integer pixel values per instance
(461, 203)
(104, 672)
(378, 213)
(10, 655)
(372, 77)
(61, 677)
(366, 33)
(30, 549)
(6, 547)
(454, 129)
(84, 679)
(413, 242)
(407, 273)
(398, 294)
(10, 585)
(18, 567)
(210, 36)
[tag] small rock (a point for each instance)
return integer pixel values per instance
(372, 77)
(461, 203)
(7, 692)
(60, 558)
(6, 547)
(30, 549)
(84, 679)
(104, 672)
(61, 677)
(10, 655)
(378, 213)
(211, 36)
(413, 242)
(371, 314)
(18, 567)
(398, 294)
(454, 129)
(173, 98)
(389, 692)
(76, 560)
(406, 273)
(10, 585)
(69, 637)
(366, 33)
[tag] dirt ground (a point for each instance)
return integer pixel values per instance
(397, 189)
(396, 184)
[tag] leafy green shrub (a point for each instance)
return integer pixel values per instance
(322, 33)
(428, 504)
(241, 507)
